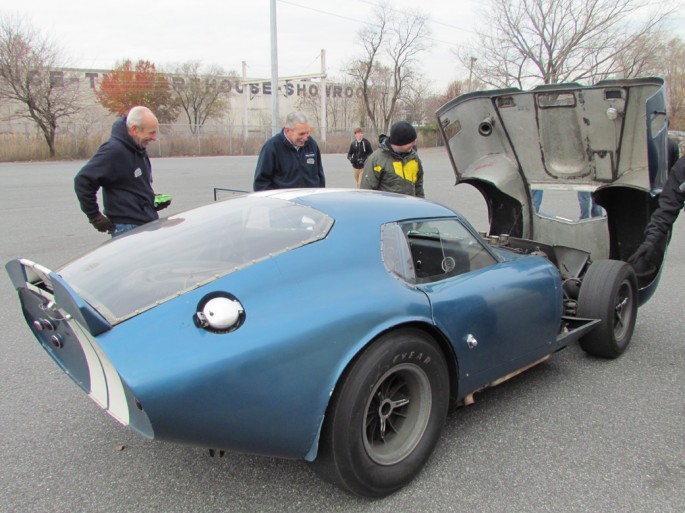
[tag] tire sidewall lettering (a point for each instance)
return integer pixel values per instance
(343, 457)
(412, 356)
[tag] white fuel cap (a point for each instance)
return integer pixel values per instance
(221, 313)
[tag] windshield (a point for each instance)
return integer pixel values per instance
(170, 256)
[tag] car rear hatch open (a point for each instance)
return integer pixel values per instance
(609, 139)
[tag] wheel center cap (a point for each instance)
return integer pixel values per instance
(385, 409)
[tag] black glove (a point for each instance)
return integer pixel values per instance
(102, 223)
(646, 259)
(162, 205)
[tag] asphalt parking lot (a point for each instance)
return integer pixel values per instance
(575, 434)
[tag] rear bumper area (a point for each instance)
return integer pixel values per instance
(74, 349)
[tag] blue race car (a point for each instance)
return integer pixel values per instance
(336, 326)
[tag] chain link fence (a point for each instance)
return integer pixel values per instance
(25, 142)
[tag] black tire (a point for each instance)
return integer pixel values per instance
(386, 415)
(609, 293)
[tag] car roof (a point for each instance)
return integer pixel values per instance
(171, 256)
(360, 205)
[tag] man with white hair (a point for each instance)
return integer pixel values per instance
(121, 167)
(290, 159)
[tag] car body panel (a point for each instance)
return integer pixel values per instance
(264, 387)
(492, 306)
(608, 138)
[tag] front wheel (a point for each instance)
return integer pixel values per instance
(386, 415)
(609, 293)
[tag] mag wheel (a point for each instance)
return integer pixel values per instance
(386, 415)
(609, 293)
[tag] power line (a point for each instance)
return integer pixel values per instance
(323, 12)
(448, 25)
(364, 22)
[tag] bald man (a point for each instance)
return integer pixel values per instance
(121, 168)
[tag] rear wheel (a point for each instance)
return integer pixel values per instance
(386, 415)
(609, 293)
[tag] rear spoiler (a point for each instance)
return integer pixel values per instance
(27, 274)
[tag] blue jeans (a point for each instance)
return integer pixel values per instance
(122, 228)
(588, 207)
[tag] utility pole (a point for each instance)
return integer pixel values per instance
(323, 96)
(472, 62)
(275, 121)
(245, 98)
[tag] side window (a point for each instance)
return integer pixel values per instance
(443, 248)
(395, 253)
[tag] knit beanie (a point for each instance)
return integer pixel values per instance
(402, 133)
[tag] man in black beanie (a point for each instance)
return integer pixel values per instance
(395, 166)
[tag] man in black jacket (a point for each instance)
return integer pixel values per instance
(290, 159)
(649, 255)
(121, 167)
(672, 152)
(359, 151)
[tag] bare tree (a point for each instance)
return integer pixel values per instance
(417, 105)
(343, 107)
(661, 56)
(669, 62)
(454, 89)
(386, 69)
(551, 41)
(674, 71)
(202, 93)
(32, 75)
(642, 59)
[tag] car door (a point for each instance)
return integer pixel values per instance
(498, 313)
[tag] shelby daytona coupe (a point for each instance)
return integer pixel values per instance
(338, 326)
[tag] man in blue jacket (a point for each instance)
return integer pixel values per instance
(121, 167)
(290, 159)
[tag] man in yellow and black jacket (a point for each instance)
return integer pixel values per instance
(395, 166)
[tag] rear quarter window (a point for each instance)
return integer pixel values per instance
(433, 250)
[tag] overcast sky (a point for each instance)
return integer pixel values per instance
(228, 32)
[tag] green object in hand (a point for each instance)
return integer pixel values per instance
(162, 198)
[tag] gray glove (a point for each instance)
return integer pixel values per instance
(102, 223)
